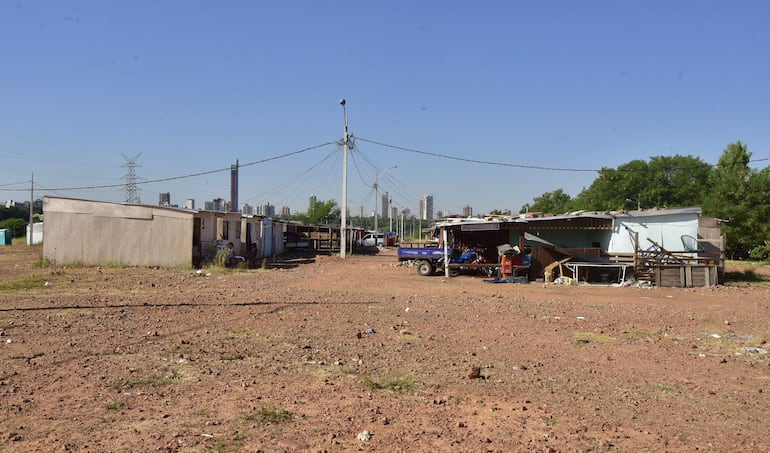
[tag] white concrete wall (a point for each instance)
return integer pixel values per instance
(35, 236)
(97, 233)
(665, 229)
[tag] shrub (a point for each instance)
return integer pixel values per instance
(761, 253)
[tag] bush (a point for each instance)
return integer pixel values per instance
(761, 253)
(18, 226)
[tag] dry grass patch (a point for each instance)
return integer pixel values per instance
(583, 338)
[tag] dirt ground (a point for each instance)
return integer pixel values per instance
(363, 354)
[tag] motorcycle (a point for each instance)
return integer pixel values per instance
(470, 260)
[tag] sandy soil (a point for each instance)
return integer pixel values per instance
(366, 355)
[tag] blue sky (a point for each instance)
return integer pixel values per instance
(194, 86)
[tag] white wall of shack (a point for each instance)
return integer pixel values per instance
(97, 233)
(667, 230)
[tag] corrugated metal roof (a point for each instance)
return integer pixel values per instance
(659, 212)
(581, 220)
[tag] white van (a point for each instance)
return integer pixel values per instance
(368, 240)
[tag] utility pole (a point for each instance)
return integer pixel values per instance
(31, 209)
(344, 221)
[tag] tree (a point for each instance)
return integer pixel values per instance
(556, 202)
(320, 212)
(677, 181)
(669, 181)
(16, 225)
(13, 213)
(741, 196)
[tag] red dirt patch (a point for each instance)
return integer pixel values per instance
(310, 357)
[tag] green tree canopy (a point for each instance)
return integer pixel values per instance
(16, 225)
(731, 191)
(320, 212)
(556, 202)
(13, 213)
(741, 196)
(664, 181)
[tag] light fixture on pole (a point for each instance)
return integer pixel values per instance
(377, 196)
(344, 220)
(638, 203)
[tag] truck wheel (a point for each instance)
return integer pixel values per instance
(424, 268)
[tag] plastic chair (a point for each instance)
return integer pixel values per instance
(690, 243)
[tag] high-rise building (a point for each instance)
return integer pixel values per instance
(467, 211)
(285, 211)
(266, 210)
(426, 208)
(234, 187)
(384, 207)
(219, 204)
(189, 204)
(164, 199)
(247, 209)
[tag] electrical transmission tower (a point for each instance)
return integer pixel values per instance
(132, 192)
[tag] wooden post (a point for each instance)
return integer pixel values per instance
(636, 251)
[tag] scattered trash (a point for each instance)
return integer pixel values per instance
(507, 280)
(755, 350)
(712, 335)
(581, 318)
(8, 341)
(733, 336)
(364, 436)
(370, 330)
(406, 309)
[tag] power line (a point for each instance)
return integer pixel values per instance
(504, 164)
(476, 161)
(108, 186)
(302, 178)
(15, 184)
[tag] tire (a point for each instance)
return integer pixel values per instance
(425, 268)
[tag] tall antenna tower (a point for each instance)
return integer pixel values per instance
(132, 192)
